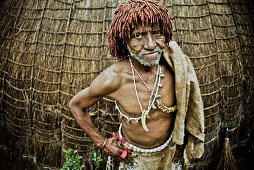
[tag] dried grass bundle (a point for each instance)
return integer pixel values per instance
(227, 159)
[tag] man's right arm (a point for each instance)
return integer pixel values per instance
(78, 107)
(104, 84)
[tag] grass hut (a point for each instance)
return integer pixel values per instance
(51, 49)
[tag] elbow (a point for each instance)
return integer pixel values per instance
(76, 108)
(72, 106)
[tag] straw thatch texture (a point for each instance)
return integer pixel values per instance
(51, 49)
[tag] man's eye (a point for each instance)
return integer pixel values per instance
(138, 35)
(157, 32)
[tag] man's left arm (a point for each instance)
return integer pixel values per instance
(180, 149)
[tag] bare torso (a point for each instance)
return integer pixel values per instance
(159, 124)
(146, 45)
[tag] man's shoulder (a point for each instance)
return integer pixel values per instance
(116, 69)
(110, 79)
(120, 66)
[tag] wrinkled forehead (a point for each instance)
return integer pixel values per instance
(145, 28)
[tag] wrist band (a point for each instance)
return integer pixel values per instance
(105, 141)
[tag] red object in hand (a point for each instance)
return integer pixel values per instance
(126, 150)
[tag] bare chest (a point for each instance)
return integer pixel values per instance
(132, 97)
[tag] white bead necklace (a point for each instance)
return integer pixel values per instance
(145, 113)
(126, 117)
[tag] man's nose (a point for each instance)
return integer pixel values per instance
(149, 44)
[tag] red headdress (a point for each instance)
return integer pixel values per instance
(127, 15)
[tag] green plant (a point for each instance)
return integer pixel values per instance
(72, 160)
(97, 159)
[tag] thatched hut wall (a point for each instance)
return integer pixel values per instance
(51, 49)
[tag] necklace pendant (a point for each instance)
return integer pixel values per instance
(153, 106)
(162, 74)
(157, 95)
(146, 112)
(137, 120)
(159, 85)
(143, 121)
(128, 120)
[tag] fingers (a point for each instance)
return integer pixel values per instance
(112, 148)
(177, 156)
(115, 148)
(118, 155)
(131, 156)
(113, 151)
(175, 159)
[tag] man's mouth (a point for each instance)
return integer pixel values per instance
(148, 58)
(151, 53)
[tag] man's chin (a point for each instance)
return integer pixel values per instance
(148, 63)
(150, 60)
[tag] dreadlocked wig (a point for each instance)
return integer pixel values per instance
(128, 15)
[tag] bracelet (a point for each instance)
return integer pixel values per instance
(105, 141)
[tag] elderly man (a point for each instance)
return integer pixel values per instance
(155, 89)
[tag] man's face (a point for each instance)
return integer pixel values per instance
(146, 44)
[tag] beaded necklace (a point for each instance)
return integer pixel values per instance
(151, 105)
(145, 112)
(160, 105)
(159, 84)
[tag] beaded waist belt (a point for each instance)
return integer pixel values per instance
(137, 149)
